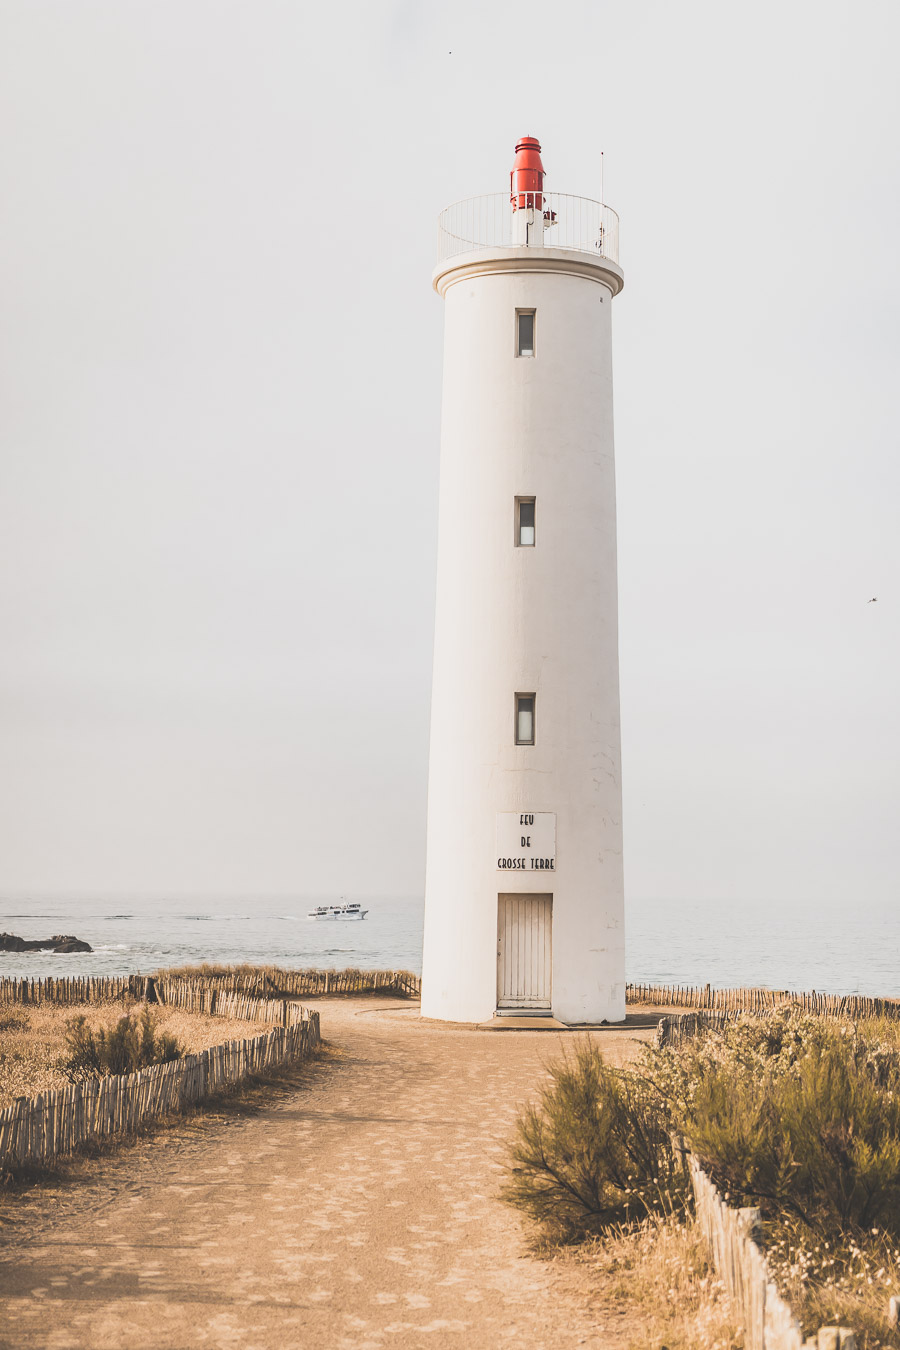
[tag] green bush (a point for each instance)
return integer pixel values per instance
(797, 1114)
(594, 1152)
(130, 1045)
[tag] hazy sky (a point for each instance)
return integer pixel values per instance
(219, 428)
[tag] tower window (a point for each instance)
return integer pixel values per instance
(525, 522)
(525, 332)
(524, 719)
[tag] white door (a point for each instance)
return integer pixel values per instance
(523, 951)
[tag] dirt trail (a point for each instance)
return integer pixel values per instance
(359, 1210)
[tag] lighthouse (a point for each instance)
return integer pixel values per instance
(524, 904)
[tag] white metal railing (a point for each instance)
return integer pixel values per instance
(548, 219)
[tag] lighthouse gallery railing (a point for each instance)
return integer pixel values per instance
(576, 223)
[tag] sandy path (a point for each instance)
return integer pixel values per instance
(359, 1210)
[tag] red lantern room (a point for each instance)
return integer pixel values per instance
(526, 181)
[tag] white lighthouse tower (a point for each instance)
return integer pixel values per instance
(524, 891)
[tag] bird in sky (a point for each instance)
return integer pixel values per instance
(872, 601)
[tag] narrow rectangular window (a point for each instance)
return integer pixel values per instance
(525, 522)
(524, 719)
(525, 332)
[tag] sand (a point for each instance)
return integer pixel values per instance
(356, 1206)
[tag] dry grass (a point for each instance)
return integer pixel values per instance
(212, 970)
(842, 1282)
(33, 1039)
(281, 981)
(883, 1029)
(659, 1277)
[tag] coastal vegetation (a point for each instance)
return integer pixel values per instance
(595, 1151)
(795, 1115)
(135, 1042)
(659, 1276)
(33, 1038)
(276, 982)
(35, 1015)
(800, 1116)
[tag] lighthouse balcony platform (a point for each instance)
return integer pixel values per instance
(555, 220)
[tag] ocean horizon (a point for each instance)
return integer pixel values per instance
(833, 947)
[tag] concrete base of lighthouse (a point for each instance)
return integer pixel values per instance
(523, 1024)
(463, 976)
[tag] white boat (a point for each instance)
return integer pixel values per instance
(338, 912)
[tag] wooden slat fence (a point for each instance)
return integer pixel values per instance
(273, 981)
(675, 1031)
(200, 997)
(268, 984)
(72, 989)
(303, 983)
(768, 1321)
(35, 1129)
(760, 1000)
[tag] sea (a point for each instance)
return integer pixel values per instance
(840, 947)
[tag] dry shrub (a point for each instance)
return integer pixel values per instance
(798, 1114)
(275, 981)
(211, 970)
(660, 1273)
(594, 1152)
(837, 1282)
(133, 1043)
(33, 1038)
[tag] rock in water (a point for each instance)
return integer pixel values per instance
(66, 944)
(62, 944)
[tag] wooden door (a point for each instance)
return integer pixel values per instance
(524, 951)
